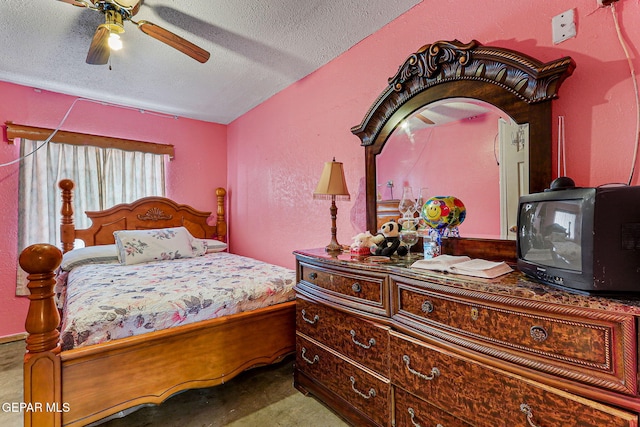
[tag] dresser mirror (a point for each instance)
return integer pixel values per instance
(458, 147)
(473, 83)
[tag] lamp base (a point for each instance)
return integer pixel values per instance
(333, 247)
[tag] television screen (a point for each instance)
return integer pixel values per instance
(550, 233)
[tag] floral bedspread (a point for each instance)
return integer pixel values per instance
(108, 301)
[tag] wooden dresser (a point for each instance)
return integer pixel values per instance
(386, 345)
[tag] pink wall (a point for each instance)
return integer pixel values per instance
(200, 159)
(276, 151)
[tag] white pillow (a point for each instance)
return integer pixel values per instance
(214, 245)
(89, 255)
(198, 247)
(136, 246)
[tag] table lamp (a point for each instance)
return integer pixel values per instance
(332, 186)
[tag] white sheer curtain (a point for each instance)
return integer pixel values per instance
(103, 178)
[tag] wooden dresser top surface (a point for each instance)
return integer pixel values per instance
(512, 285)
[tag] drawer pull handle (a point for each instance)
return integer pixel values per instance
(316, 358)
(538, 333)
(356, 287)
(315, 318)
(372, 341)
(427, 307)
(413, 414)
(372, 392)
(527, 410)
(313, 276)
(435, 372)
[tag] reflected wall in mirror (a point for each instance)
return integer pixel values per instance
(521, 88)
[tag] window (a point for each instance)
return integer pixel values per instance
(567, 220)
(103, 177)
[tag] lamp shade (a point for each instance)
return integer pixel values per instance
(332, 183)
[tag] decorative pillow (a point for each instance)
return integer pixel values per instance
(214, 245)
(136, 246)
(198, 247)
(89, 255)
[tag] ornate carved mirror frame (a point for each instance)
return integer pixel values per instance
(519, 85)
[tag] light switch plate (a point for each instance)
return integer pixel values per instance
(563, 26)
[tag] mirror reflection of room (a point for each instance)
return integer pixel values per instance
(457, 147)
(550, 234)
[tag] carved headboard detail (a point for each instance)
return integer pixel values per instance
(145, 213)
(154, 214)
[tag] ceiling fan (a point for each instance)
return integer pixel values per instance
(118, 11)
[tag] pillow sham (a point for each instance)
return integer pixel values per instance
(136, 246)
(214, 245)
(89, 255)
(198, 247)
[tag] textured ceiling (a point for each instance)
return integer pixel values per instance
(257, 48)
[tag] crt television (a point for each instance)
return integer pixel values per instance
(586, 239)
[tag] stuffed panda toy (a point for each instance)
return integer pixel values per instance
(391, 243)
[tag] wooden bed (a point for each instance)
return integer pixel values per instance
(86, 384)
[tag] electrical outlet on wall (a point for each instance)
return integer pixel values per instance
(563, 26)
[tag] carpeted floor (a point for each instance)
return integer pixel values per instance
(262, 397)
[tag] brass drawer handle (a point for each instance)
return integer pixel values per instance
(413, 414)
(427, 307)
(316, 358)
(353, 338)
(313, 276)
(315, 318)
(435, 372)
(372, 392)
(356, 287)
(538, 333)
(527, 410)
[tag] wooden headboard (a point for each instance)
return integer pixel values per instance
(145, 213)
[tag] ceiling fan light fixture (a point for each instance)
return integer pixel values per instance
(106, 37)
(113, 21)
(114, 41)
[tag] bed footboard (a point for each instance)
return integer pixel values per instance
(104, 379)
(42, 365)
(79, 386)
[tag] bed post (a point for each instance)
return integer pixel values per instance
(67, 228)
(221, 230)
(42, 375)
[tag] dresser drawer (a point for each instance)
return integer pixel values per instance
(354, 290)
(484, 396)
(366, 392)
(365, 342)
(587, 346)
(412, 411)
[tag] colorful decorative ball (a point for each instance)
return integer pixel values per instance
(443, 212)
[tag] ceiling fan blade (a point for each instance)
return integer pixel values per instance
(425, 120)
(174, 41)
(99, 50)
(75, 3)
(136, 8)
